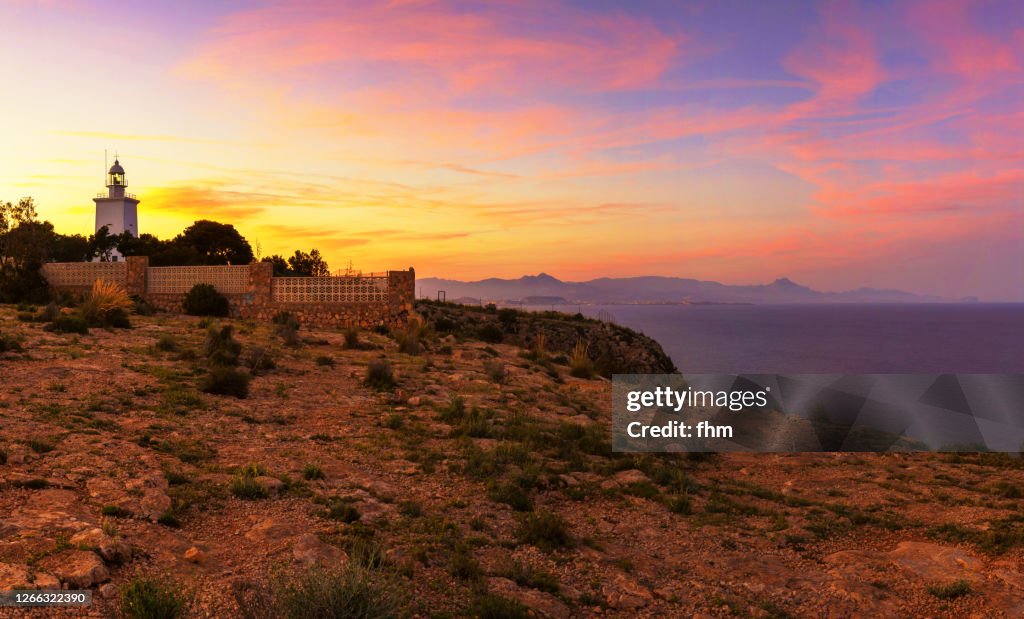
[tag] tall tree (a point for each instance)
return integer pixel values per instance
(214, 243)
(308, 265)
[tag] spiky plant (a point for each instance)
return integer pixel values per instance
(106, 304)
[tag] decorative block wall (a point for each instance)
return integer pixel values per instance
(179, 280)
(79, 276)
(253, 292)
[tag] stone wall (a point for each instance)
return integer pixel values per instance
(392, 308)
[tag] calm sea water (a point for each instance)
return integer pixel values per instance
(853, 339)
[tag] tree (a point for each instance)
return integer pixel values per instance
(103, 244)
(308, 265)
(280, 265)
(213, 243)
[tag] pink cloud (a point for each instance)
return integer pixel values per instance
(432, 45)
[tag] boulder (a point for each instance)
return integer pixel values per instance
(113, 550)
(13, 577)
(309, 549)
(78, 569)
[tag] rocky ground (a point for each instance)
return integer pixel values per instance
(482, 483)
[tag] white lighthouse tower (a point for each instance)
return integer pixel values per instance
(117, 209)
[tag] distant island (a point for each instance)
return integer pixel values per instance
(543, 289)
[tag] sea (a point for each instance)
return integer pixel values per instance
(968, 338)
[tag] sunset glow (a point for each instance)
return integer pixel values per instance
(841, 144)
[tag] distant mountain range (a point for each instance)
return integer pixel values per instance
(544, 289)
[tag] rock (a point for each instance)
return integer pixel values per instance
(544, 604)
(154, 501)
(623, 593)
(107, 591)
(78, 569)
(632, 476)
(194, 555)
(17, 577)
(270, 530)
(309, 549)
(111, 549)
(935, 562)
(415, 400)
(272, 485)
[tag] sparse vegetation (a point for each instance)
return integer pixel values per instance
(153, 598)
(379, 375)
(287, 327)
(545, 530)
(951, 590)
(223, 380)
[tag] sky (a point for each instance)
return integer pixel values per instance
(840, 144)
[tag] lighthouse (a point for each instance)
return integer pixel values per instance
(117, 209)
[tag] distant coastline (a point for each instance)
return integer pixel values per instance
(544, 289)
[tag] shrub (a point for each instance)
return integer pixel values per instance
(68, 323)
(204, 300)
(495, 370)
(545, 530)
(106, 305)
(245, 486)
(343, 510)
(312, 471)
(379, 375)
(223, 380)
(220, 346)
(491, 334)
(511, 495)
(580, 364)
(3, 457)
(41, 446)
(950, 591)
(325, 360)
(287, 328)
(115, 512)
(409, 341)
(153, 598)
(167, 343)
(352, 341)
(9, 343)
(350, 591)
(462, 564)
(491, 606)
(258, 360)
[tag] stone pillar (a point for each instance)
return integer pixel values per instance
(401, 295)
(261, 276)
(135, 280)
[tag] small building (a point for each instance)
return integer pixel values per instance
(117, 209)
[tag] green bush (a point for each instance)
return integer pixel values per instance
(495, 370)
(379, 375)
(9, 343)
(545, 530)
(204, 300)
(223, 380)
(167, 343)
(312, 471)
(950, 591)
(351, 591)
(491, 334)
(245, 486)
(68, 323)
(153, 598)
(491, 606)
